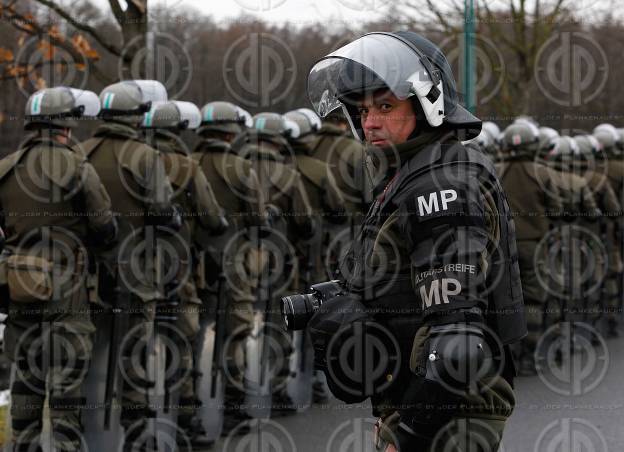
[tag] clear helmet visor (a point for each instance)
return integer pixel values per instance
(151, 91)
(245, 117)
(610, 129)
(375, 60)
(88, 100)
(315, 121)
(190, 113)
(292, 128)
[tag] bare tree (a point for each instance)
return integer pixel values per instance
(58, 28)
(518, 28)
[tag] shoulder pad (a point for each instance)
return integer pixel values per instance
(180, 169)
(287, 177)
(231, 168)
(61, 165)
(87, 148)
(9, 162)
(131, 155)
(313, 169)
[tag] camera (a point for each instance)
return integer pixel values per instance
(298, 309)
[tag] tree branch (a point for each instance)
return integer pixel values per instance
(119, 14)
(38, 65)
(447, 26)
(81, 26)
(495, 29)
(37, 29)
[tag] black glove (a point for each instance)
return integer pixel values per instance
(333, 315)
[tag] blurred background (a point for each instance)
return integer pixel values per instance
(559, 61)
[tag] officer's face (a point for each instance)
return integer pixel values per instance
(386, 119)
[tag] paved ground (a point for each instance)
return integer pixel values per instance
(574, 407)
(577, 407)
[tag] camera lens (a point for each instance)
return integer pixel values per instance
(297, 310)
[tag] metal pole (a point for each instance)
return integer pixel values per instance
(469, 76)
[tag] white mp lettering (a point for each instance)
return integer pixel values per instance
(450, 287)
(432, 205)
(448, 196)
(434, 293)
(446, 290)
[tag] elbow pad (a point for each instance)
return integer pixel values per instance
(455, 355)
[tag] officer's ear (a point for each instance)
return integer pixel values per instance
(421, 119)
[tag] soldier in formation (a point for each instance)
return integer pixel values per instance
(143, 277)
(565, 193)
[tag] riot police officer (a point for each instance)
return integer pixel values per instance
(546, 136)
(266, 146)
(326, 198)
(536, 204)
(328, 203)
(220, 284)
(435, 261)
(346, 159)
(592, 164)
(612, 144)
(580, 208)
(193, 193)
(141, 194)
(55, 209)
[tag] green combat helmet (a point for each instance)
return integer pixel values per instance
(609, 138)
(546, 136)
(275, 125)
(58, 108)
(521, 139)
(268, 135)
(524, 119)
(309, 123)
(224, 117)
(565, 149)
(129, 100)
(589, 146)
(173, 115)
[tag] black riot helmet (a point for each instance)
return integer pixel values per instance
(407, 64)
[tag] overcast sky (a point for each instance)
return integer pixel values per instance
(281, 11)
